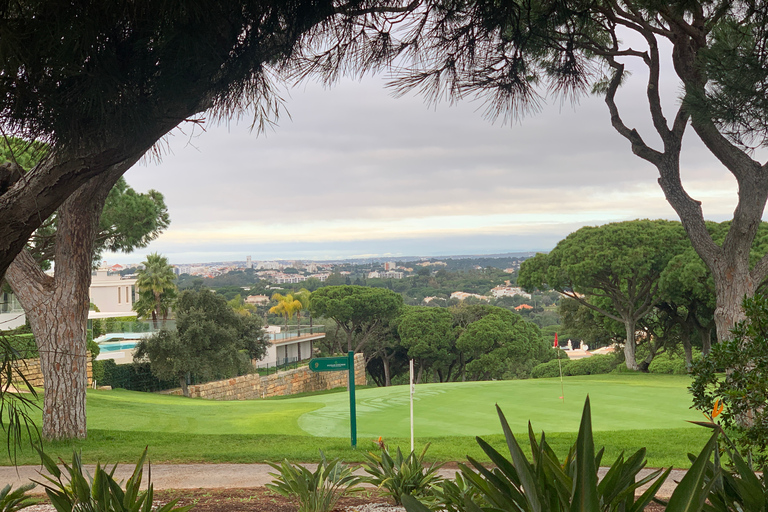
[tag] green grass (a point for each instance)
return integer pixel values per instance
(629, 411)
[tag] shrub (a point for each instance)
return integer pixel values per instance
(82, 492)
(132, 376)
(550, 369)
(13, 501)
(594, 365)
(401, 475)
(744, 387)
(316, 491)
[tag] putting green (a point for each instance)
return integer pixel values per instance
(619, 402)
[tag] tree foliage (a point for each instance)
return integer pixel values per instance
(743, 390)
(429, 337)
(210, 341)
(613, 269)
(357, 310)
(156, 286)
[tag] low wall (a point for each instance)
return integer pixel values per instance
(288, 382)
(30, 368)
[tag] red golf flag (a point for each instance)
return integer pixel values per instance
(555, 341)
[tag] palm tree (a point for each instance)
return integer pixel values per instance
(286, 305)
(156, 286)
(303, 297)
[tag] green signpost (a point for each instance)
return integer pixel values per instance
(335, 364)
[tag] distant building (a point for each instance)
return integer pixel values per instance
(390, 265)
(373, 275)
(248, 262)
(392, 274)
(522, 307)
(465, 295)
(256, 299)
(509, 291)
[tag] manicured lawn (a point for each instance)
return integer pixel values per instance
(629, 411)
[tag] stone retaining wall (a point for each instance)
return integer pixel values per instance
(30, 368)
(289, 382)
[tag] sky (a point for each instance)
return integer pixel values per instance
(351, 171)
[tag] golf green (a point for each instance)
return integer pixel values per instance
(619, 402)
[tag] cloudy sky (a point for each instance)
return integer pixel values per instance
(355, 172)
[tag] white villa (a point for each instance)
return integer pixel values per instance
(112, 294)
(109, 291)
(289, 346)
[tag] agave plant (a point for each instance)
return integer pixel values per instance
(15, 500)
(79, 491)
(401, 475)
(545, 484)
(316, 491)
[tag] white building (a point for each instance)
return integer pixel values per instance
(288, 347)
(466, 295)
(11, 312)
(509, 291)
(111, 294)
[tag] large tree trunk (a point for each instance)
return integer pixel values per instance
(686, 336)
(630, 347)
(705, 334)
(183, 385)
(387, 371)
(733, 282)
(57, 307)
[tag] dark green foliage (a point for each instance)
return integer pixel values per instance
(23, 345)
(131, 376)
(671, 362)
(357, 310)
(594, 365)
(743, 389)
(400, 475)
(316, 491)
(500, 344)
(79, 491)
(211, 341)
(550, 369)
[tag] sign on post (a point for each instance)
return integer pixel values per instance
(329, 364)
(335, 364)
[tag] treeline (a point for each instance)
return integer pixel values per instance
(459, 343)
(637, 283)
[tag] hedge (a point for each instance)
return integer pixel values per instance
(593, 365)
(550, 368)
(131, 376)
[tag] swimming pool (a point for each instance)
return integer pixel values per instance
(114, 346)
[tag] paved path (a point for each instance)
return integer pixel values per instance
(219, 476)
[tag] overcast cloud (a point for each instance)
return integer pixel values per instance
(356, 172)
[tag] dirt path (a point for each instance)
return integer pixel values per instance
(224, 476)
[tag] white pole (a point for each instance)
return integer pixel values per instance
(412, 390)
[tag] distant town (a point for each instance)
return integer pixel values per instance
(297, 271)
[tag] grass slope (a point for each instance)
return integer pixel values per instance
(629, 411)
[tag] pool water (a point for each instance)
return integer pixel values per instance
(118, 345)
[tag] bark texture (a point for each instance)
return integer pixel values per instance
(729, 262)
(57, 307)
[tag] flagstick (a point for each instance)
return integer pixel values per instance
(562, 388)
